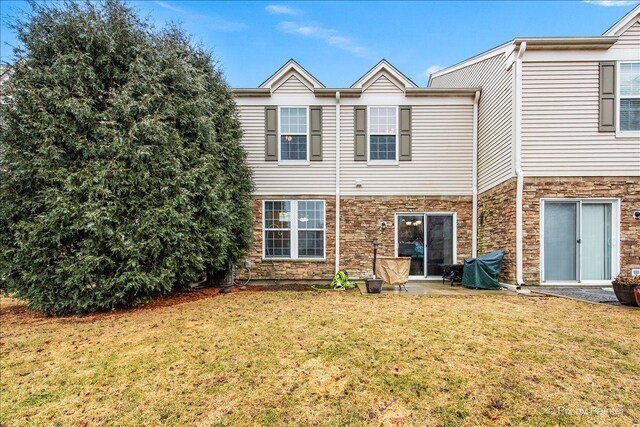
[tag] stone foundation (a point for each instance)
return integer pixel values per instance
(497, 225)
(627, 189)
(359, 224)
(361, 216)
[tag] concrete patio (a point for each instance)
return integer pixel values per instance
(435, 288)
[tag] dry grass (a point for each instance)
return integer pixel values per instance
(326, 358)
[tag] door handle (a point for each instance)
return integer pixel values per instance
(579, 241)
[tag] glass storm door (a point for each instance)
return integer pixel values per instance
(439, 243)
(410, 241)
(561, 241)
(578, 241)
(597, 241)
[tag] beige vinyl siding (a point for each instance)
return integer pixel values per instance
(383, 85)
(630, 39)
(442, 156)
(277, 178)
(495, 115)
(560, 134)
(292, 85)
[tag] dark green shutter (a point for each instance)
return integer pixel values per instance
(271, 134)
(316, 134)
(360, 134)
(607, 113)
(405, 133)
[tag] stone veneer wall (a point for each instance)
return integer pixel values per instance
(320, 270)
(627, 189)
(497, 225)
(360, 217)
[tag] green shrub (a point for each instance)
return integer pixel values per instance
(121, 170)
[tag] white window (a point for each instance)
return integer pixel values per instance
(383, 128)
(629, 97)
(294, 229)
(293, 133)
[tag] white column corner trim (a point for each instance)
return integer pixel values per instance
(518, 162)
(337, 238)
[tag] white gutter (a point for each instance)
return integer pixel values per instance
(474, 223)
(518, 161)
(337, 255)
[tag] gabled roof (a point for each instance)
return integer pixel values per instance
(626, 21)
(292, 65)
(550, 43)
(384, 67)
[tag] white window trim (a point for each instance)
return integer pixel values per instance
(397, 134)
(292, 162)
(293, 228)
(623, 133)
(454, 216)
(615, 243)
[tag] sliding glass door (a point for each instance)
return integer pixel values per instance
(561, 241)
(428, 239)
(578, 241)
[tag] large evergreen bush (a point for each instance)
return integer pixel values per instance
(121, 170)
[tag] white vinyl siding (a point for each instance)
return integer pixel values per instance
(292, 85)
(495, 115)
(442, 156)
(560, 134)
(383, 85)
(278, 179)
(630, 39)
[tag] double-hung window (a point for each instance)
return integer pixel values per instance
(383, 129)
(294, 229)
(629, 96)
(294, 133)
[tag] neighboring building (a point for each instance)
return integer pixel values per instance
(559, 153)
(532, 147)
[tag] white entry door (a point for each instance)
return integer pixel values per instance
(579, 241)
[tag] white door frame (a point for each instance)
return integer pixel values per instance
(454, 216)
(615, 239)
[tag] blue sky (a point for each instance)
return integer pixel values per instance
(339, 41)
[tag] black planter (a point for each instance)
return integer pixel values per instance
(625, 295)
(374, 286)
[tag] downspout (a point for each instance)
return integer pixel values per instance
(337, 250)
(474, 224)
(518, 161)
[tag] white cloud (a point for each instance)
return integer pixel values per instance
(328, 35)
(609, 3)
(167, 6)
(278, 9)
(212, 21)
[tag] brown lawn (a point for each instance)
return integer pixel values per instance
(325, 358)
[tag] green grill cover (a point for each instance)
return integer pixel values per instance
(483, 272)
